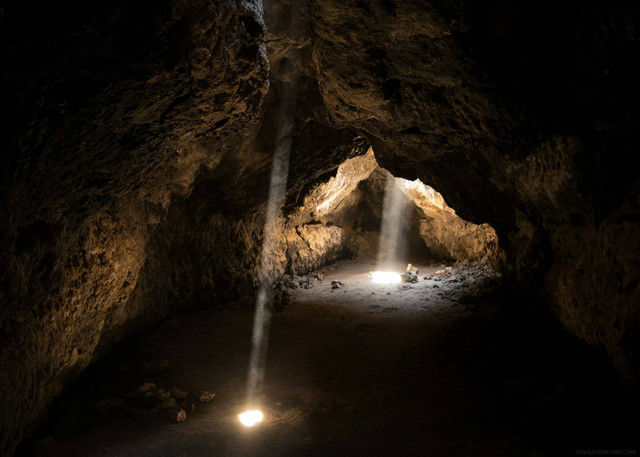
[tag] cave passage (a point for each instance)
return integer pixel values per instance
(427, 211)
(446, 365)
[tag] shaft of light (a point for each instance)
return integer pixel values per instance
(391, 245)
(272, 229)
(262, 316)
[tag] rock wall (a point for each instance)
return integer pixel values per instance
(523, 116)
(138, 137)
(448, 236)
(107, 110)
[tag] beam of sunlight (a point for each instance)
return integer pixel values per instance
(262, 316)
(392, 243)
(271, 238)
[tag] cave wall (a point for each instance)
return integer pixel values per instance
(524, 116)
(107, 111)
(138, 137)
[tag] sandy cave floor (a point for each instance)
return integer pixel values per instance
(367, 369)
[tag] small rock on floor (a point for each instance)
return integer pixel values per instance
(178, 393)
(163, 394)
(206, 396)
(177, 415)
(167, 403)
(147, 387)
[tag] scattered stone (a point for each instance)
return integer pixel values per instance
(167, 403)
(281, 300)
(336, 284)
(206, 396)
(147, 387)
(306, 283)
(162, 394)
(149, 398)
(319, 276)
(178, 393)
(290, 283)
(177, 415)
(410, 275)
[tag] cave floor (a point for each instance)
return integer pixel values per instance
(390, 370)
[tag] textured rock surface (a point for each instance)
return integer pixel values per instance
(138, 138)
(107, 110)
(447, 236)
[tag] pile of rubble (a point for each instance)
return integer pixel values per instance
(173, 402)
(297, 282)
(463, 272)
(410, 275)
(280, 289)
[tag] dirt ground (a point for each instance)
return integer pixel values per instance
(447, 367)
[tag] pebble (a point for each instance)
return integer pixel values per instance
(162, 395)
(179, 393)
(177, 415)
(147, 387)
(206, 396)
(166, 404)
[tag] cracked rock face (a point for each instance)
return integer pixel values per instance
(138, 139)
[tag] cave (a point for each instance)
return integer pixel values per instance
(379, 227)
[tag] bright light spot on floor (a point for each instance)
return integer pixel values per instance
(385, 277)
(251, 418)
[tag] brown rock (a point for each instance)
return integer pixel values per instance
(162, 394)
(167, 403)
(177, 415)
(147, 387)
(206, 396)
(178, 393)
